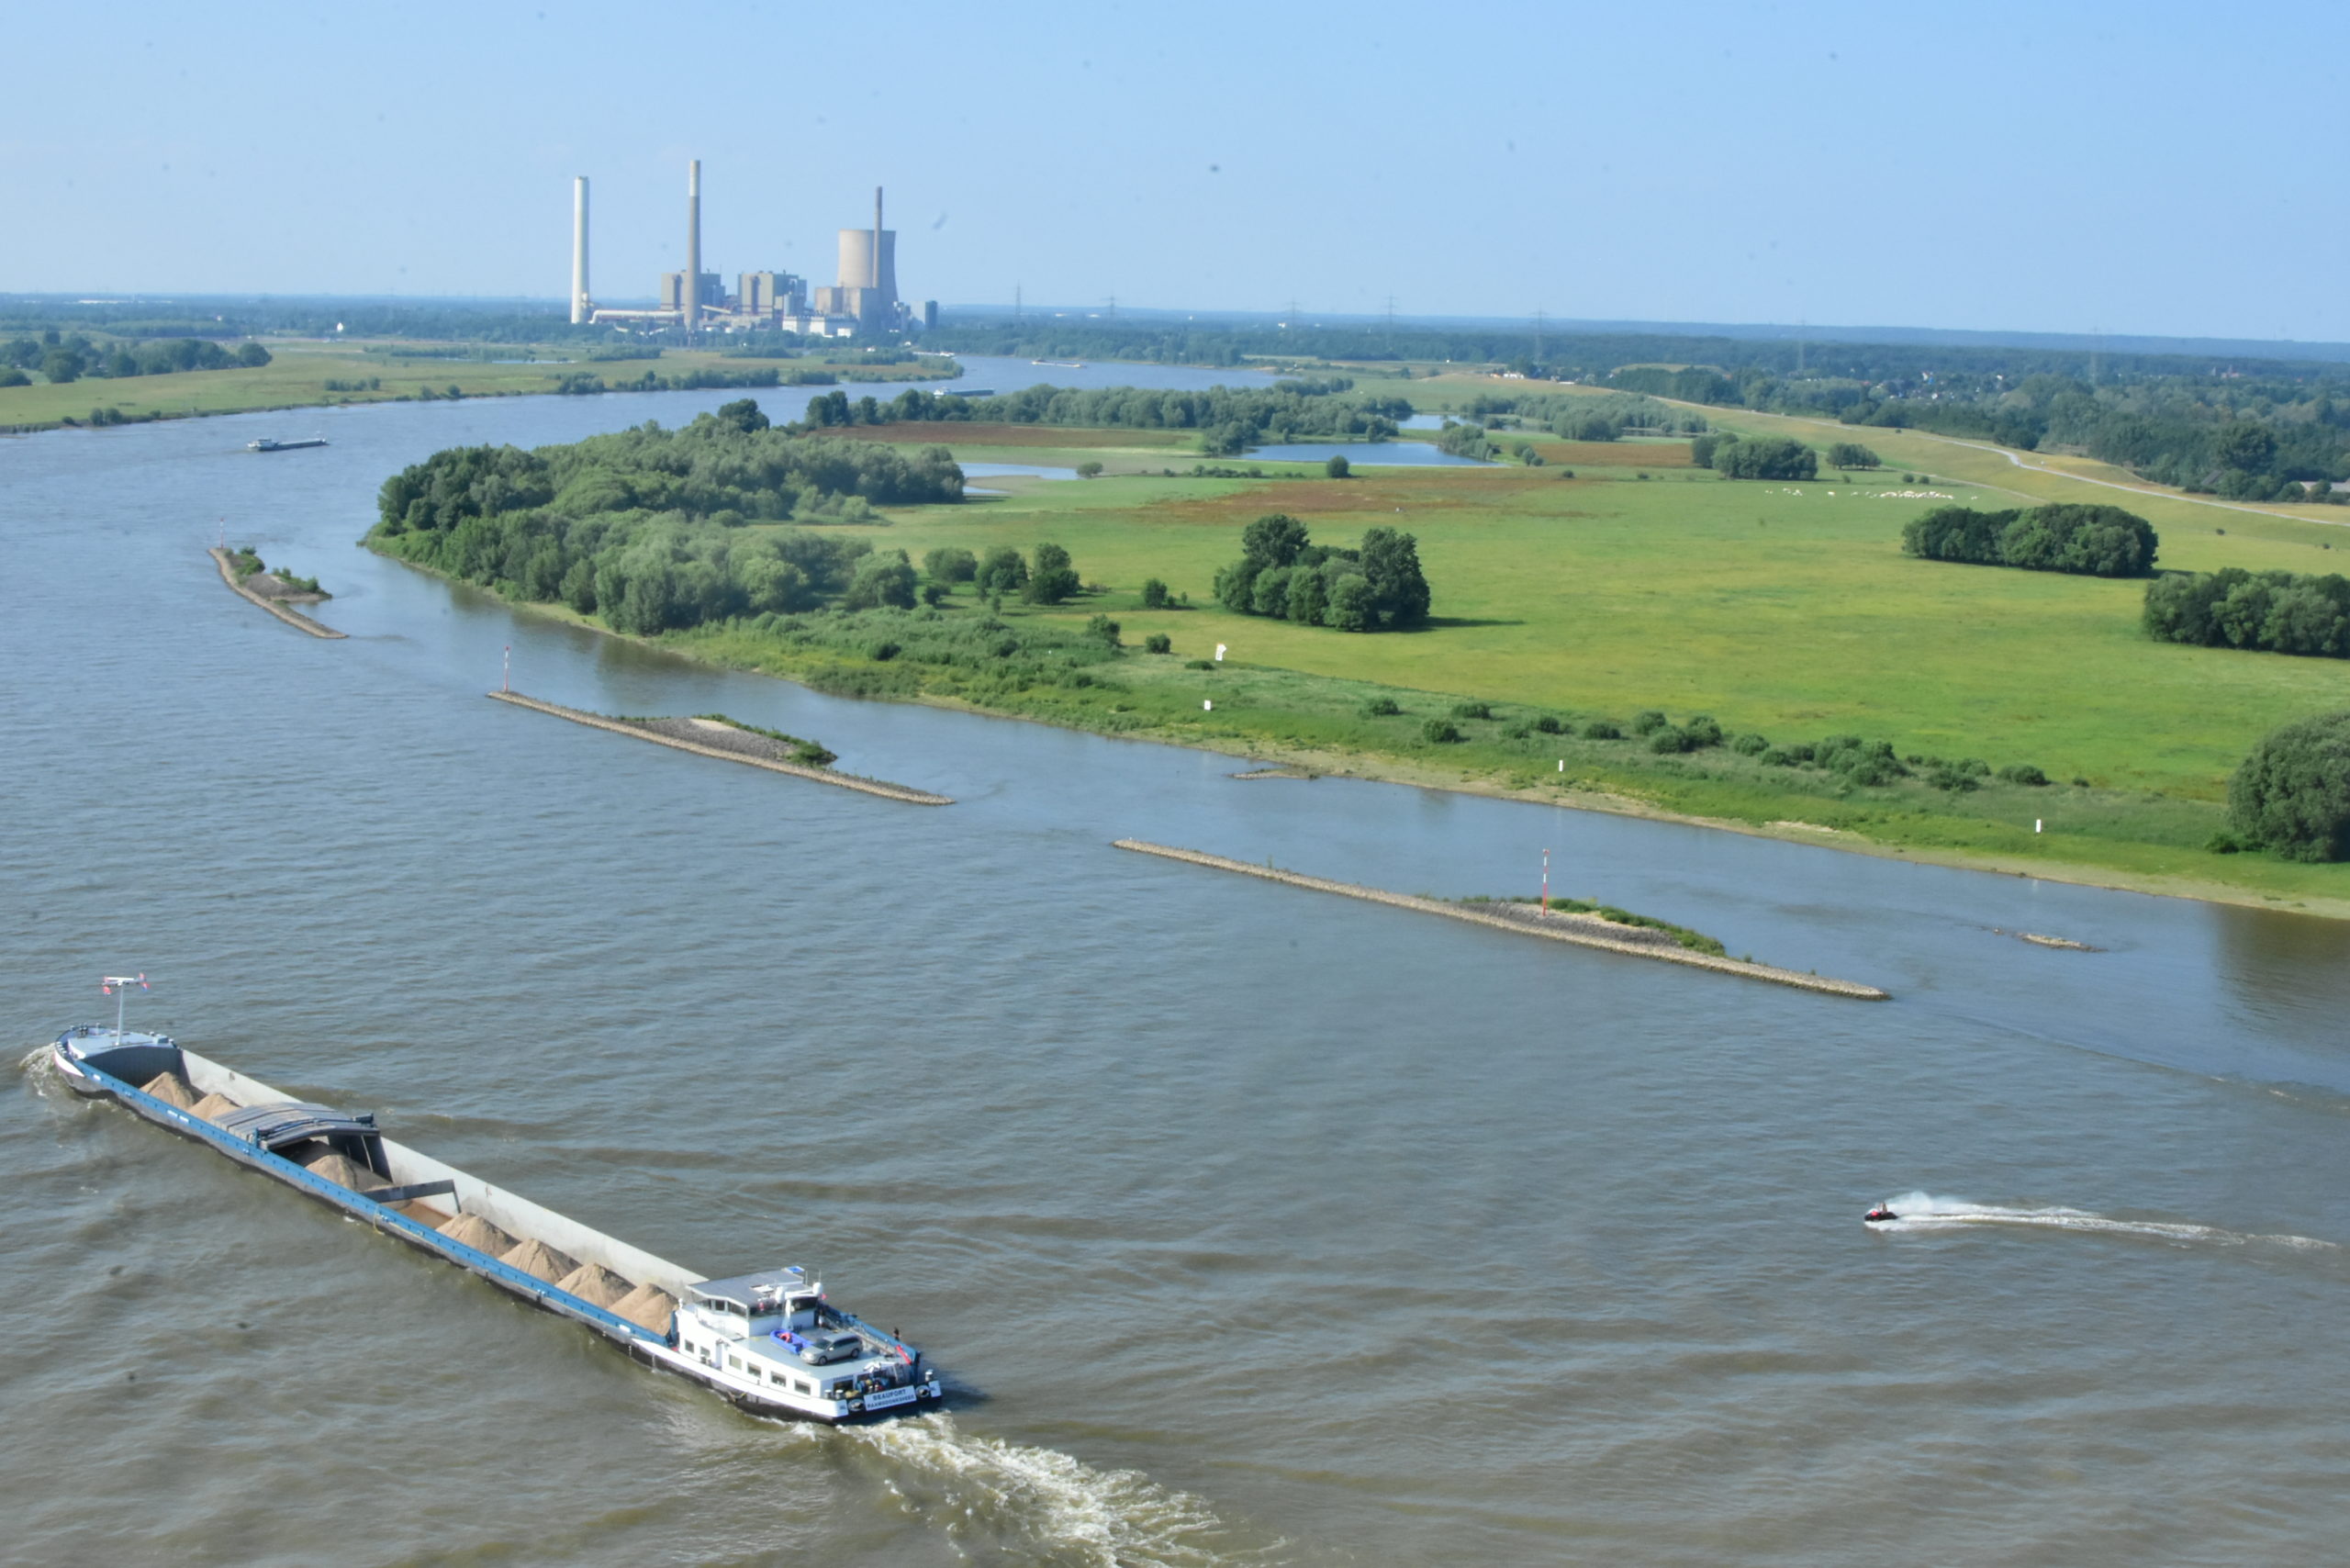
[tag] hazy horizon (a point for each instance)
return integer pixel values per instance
(2015, 170)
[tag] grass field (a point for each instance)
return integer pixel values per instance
(1787, 610)
(297, 374)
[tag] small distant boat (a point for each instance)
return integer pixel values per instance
(265, 444)
(968, 392)
(1060, 364)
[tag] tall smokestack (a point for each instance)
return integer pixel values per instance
(876, 280)
(579, 307)
(692, 295)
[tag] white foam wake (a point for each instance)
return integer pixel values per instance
(996, 1498)
(1923, 1211)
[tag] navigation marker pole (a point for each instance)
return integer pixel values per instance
(505, 680)
(119, 987)
(1546, 881)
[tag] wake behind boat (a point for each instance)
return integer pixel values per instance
(769, 1340)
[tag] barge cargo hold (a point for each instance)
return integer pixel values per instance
(768, 1341)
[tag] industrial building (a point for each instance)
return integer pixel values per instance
(863, 302)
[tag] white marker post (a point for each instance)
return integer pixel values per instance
(506, 677)
(1219, 653)
(1546, 881)
(1207, 705)
(2035, 825)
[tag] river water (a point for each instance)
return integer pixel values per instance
(1255, 1225)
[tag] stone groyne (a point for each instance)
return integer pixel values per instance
(1582, 930)
(286, 614)
(820, 774)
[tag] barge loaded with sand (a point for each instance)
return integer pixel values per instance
(769, 1341)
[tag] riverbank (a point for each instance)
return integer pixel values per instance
(726, 747)
(331, 376)
(1580, 930)
(277, 607)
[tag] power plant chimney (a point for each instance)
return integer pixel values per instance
(874, 280)
(579, 306)
(691, 295)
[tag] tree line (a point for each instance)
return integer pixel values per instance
(2093, 540)
(2276, 612)
(1284, 573)
(69, 357)
(1228, 420)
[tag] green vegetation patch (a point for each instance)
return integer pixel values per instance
(1696, 941)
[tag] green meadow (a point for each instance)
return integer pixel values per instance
(1778, 609)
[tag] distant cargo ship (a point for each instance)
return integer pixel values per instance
(265, 444)
(769, 1341)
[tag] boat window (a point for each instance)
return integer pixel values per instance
(734, 1361)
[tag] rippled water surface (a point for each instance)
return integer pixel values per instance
(1255, 1225)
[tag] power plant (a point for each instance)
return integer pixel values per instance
(863, 302)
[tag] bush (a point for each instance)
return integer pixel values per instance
(881, 581)
(1669, 740)
(2023, 773)
(1516, 731)
(1054, 579)
(1381, 708)
(1440, 732)
(1004, 571)
(1199, 664)
(1750, 745)
(1851, 454)
(949, 564)
(1766, 457)
(1338, 468)
(1550, 725)
(1648, 721)
(1089, 470)
(2089, 540)
(1153, 594)
(1779, 756)
(1472, 709)
(2292, 792)
(1104, 627)
(1601, 729)
(883, 652)
(1703, 731)
(933, 594)
(2276, 612)
(1159, 643)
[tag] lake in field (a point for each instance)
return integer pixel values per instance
(1366, 454)
(1253, 1227)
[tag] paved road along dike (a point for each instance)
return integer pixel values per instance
(1575, 928)
(286, 614)
(888, 791)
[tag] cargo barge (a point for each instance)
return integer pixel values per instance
(769, 1341)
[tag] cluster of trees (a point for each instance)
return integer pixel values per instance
(580, 384)
(1228, 419)
(2291, 795)
(2093, 540)
(1284, 573)
(637, 526)
(1848, 454)
(2276, 612)
(728, 467)
(69, 357)
(1754, 457)
(1607, 417)
(1003, 573)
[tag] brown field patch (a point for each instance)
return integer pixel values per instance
(955, 433)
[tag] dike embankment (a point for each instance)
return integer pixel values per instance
(882, 787)
(286, 612)
(1581, 930)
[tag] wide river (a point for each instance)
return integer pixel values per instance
(1254, 1225)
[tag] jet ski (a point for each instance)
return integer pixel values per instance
(1879, 1216)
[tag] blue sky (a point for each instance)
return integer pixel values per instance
(2150, 168)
